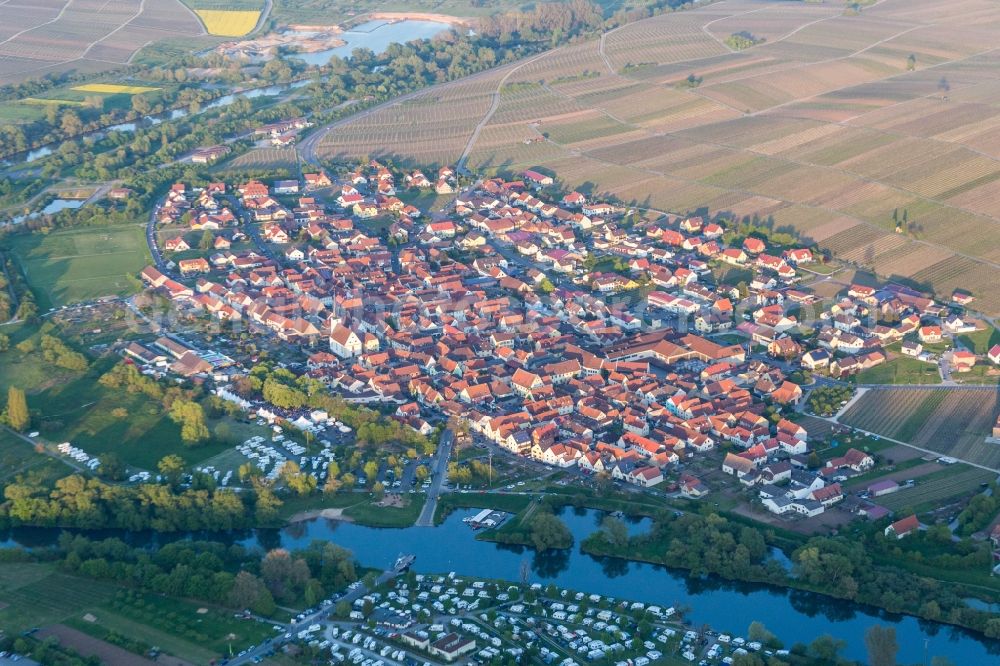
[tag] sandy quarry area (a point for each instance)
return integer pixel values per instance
(304, 39)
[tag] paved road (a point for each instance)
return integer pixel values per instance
(252, 229)
(307, 146)
(45, 450)
(924, 387)
(313, 618)
(426, 518)
(154, 247)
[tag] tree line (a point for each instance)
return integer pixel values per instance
(861, 568)
(230, 575)
(79, 502)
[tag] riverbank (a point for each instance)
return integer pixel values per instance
(725, 605)
(328, 514)
(736, 549)
(391, 511)
(421, 16)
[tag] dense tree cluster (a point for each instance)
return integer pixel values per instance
(851, 569)
(56, 352)
(755, 227)
(214, 572)
(712, 544)
(92, 504)
(541, 529)
(866, 567)
(550, 21)
(373, 430)
(191, 418)
(739, 41)
(127, 377)
(825, 400)
(472, 472)
(17, 415)
(980, 511)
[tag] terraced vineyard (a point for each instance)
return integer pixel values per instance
(39, 37)
(263, 159)
(895, 413)
(829, 125)
(937, 489)
(952, 422)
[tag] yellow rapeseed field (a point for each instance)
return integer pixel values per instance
(114, 89)
(228, 23)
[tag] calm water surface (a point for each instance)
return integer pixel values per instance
(725, 606)
(377, 36)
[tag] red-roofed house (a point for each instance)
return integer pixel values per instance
(901, 528)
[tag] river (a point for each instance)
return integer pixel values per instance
(374, 35)
(724, 605)
(173, 114)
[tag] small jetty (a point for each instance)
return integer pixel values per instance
(403, 562)
(485, 519)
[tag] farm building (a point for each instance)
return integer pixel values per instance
(885, 487)
(903, 527)
(209, 155)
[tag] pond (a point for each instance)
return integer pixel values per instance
(57, 205)
(38, 153)
(54, 206)
(724, 605)
(377, 36)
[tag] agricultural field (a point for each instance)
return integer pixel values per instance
(183, 629)
(828, 125)
(901, 370)
(937, 489)
(228, 23)
(91, 646)
(952, 422)
(40, 37)
(263, 159)
(114, 89)
(79, 264)
(82, 611)
(980, 341)
(18, 459)
(325, 12)
(33, 595)
(106, 97)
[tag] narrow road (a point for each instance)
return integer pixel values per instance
(154, 246)
(45, 450)
(296, 626)
(924, 387)
(460, 165)
(426, 518)
(307, 146)
(268, 4)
